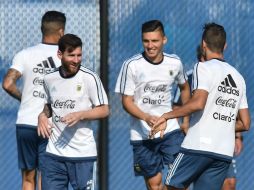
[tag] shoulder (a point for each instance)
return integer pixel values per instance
(171, 56)
(134, 59)
(26, 52)
(51, 74)
(88, 72)
(172, 59)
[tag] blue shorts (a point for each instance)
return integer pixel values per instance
(232, 170)
(57, 174)
(151, 155)
(30, 147)
(206, 173)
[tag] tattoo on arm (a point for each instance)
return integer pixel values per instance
(9, 83)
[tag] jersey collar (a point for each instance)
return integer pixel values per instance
(143, 54)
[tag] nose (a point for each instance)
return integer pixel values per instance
(149, 45)
(76, 59)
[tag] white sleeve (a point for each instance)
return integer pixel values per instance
(96, 91)
(125, 82)
(181, 77)
(201, 77)
(18, 62)
(243, 100)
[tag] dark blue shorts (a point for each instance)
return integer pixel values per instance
(150, 156)
(30, 146)
(57, 174)
(206, 173)
(232, 170)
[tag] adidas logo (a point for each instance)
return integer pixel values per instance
(45, 67)
(229, 81)
(228, 86)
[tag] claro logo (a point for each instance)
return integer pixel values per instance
(228, 118)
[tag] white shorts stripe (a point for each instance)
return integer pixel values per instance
(172, 170)
(94, 175)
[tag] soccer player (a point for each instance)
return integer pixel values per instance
(145, 83)
(75, 96)
(230, 181)
(219, 108)
(31, 64)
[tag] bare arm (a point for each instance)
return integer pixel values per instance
(9, 83)
(238, 143)
(185, 96)
(97, 112)
(243, 120)
(44, 126)
(196, 103)
(133, 109)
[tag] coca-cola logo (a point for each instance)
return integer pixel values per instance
(159, 88)
(38, 81)
(231, 103)
(68, 104)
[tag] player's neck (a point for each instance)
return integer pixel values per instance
(213, 55)
(50, 39)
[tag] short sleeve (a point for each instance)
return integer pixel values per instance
(96, 91)
(201, 77)
(243, 100)
(181, 77)
(18, 62)
(125, 82)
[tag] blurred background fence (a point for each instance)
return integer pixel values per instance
(183, 21)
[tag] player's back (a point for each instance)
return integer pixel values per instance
(33, 63)
(213, 128)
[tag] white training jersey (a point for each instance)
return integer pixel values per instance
(212, 130)
(33, 63)
(81, 92)
(151, 85)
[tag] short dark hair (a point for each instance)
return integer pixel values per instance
(199, 53)
(69, 42)
(52, 21)
(214, 36)
(152, 25)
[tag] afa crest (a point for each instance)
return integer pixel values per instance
(171, 73)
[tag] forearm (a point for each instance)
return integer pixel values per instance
(132, 108)
(98, 112)
(239, 126)
(14, 92)
(47, 110)
(185, 96)
(9, 84)
(242, 120)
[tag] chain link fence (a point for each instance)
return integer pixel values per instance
(183, 21)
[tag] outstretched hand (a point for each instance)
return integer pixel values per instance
(159, 126)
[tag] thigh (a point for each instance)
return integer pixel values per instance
(82, 174)
(54, 174)
(147, 161)
(170, 146)
(213, 177)
(42, 144)
(27, 145)
(186, 169)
